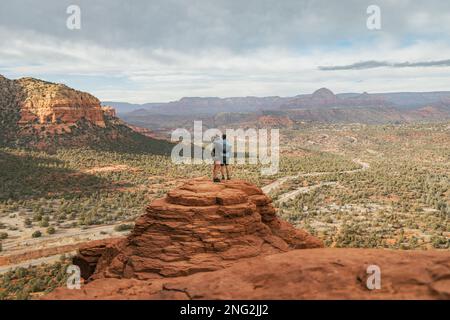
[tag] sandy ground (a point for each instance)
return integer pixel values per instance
(21, 240)
(292, 194)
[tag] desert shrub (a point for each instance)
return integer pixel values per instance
(28, 223)
(123, 227)
(36, 234)
(21, 283)
(44, 224)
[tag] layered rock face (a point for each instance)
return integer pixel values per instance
(90, 253)
(297, 274)
(35, 108)
(223, 241)
(49, 103)
(199, 227)
(47, 116)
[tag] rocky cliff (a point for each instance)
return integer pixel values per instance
(32, 107)
(224, 241)
(47, 103)
(45, 115)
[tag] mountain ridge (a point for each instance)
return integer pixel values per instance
(321, 106)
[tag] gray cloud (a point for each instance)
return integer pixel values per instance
(161, 50)
(232, 24)
(378, 64)
(356, 66)
(440, 63)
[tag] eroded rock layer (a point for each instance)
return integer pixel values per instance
(47, 116)
(328, 273)
(199, 227)
(50, 103)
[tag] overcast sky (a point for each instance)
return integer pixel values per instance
(161, 50)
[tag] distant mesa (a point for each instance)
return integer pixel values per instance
(325, 98)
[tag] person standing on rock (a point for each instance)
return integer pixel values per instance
(217, 146)
(226, 153)
(221, 155)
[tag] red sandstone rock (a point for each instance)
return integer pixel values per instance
(298, 274)
(201, 226)
(109, 111)
(48, 103)
(224, 241)
(89, 254)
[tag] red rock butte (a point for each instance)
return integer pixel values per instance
(198, 227)
(224, 241)
(50, 103)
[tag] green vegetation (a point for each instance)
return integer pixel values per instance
(32, 282)
(123, 227)
(36, 234)
(9, 111)
(402, 201)
(51, 230)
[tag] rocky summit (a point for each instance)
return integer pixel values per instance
(224, 241)
(198, 227)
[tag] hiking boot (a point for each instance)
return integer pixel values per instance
(216, 180)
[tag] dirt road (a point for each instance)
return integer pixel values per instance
(276, 184)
